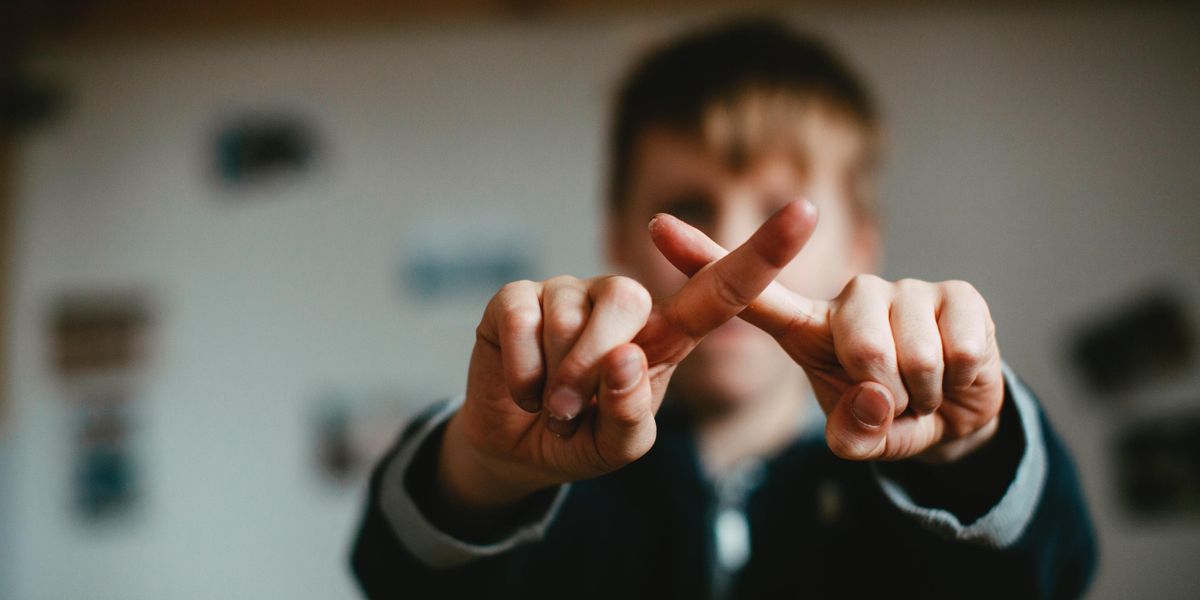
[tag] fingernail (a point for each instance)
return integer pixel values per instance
(626, 373)
(870, 408)
(653, 219)
(564, 404)
(562, 428)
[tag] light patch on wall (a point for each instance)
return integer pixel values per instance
(466, 257)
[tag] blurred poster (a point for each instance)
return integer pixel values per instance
(466, 258)
(353, 430)
(98, 345)
(98, 334)
(1158, 466)
(106, 482)
(254, 148)
(1148, 338)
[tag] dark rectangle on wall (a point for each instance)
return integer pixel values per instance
(1147, 338)
(1158, 466)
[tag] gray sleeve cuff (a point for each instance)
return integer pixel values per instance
(1001, 526)
(426, 542)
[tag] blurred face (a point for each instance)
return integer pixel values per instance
(677, 174)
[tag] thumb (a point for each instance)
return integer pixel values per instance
(857, 427)
(625, 428)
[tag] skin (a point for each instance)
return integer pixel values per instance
(567, 374)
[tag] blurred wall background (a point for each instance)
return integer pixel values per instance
(1047, 155)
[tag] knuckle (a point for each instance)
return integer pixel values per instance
(837, 445)
(562, 281)
(870, 355)
(867, 280)
(960, 288)
(515, 287)
(627, 293)
(861, 283)
(615, 454)
(563, 325)
(519, 319)
(728, 292)
(843, 446)
(923, 361)
(483, 335)
(909, 285)
(967, 355)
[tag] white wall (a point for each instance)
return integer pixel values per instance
(1045, 156)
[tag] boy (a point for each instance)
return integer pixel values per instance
(558, 473)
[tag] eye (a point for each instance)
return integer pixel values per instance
(692, 209)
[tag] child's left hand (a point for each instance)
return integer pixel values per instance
(902, 369)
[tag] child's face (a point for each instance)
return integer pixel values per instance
(676, 174)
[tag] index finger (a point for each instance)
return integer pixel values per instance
(724, 288)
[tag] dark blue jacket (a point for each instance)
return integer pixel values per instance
(820, 528)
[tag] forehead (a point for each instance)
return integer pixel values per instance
(670, 163)
(819, 145)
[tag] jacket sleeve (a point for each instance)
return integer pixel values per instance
(1004, 522)
(1036, 541)
(399, 552)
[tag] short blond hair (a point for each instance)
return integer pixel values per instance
(745, 88)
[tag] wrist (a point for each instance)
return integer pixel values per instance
(473, 481)
(970, 478)
(958, 449)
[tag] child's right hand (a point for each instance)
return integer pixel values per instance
(567, 374)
